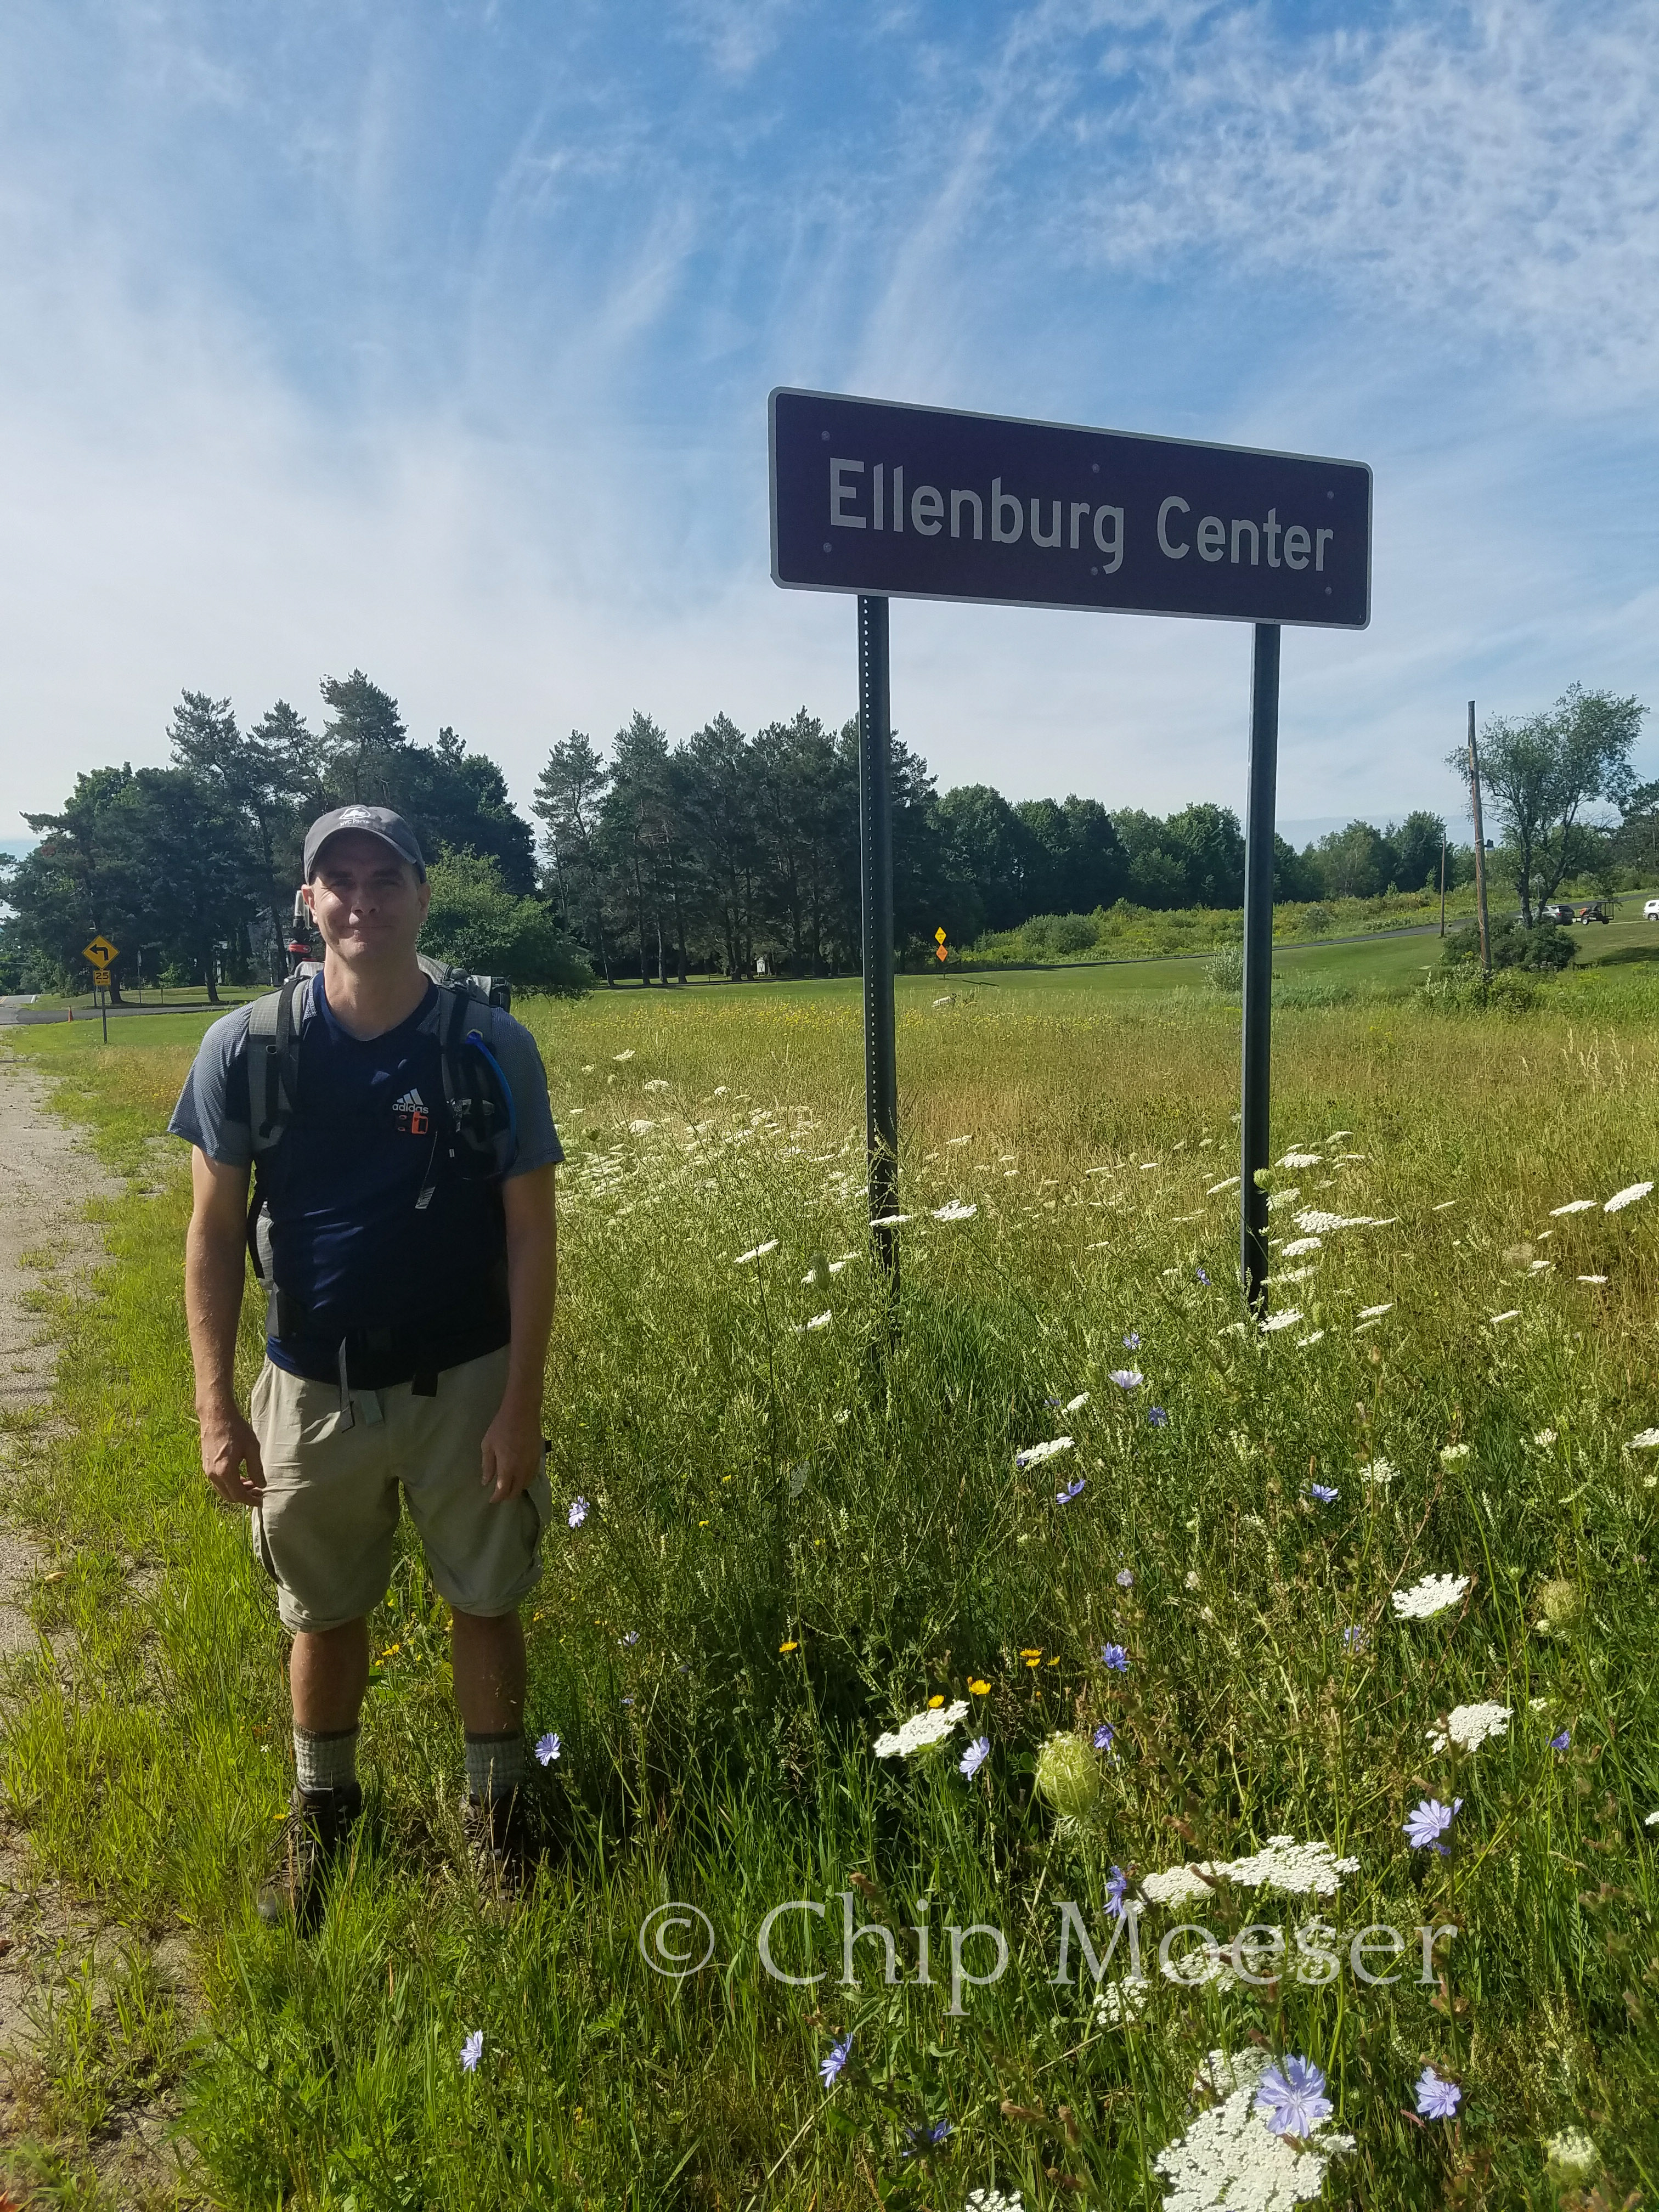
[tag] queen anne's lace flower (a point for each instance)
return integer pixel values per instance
(1431, 1596)
(921, 1730)
(1310, 1869)
(1628, 1196)
(1470, 1726)
(1230, 2158)
(1034, 1454)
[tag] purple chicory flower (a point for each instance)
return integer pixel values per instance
(1105, 1736)
(632, 1637)
(1356, 1638)
(1425, 1826)
(1203, 1279)
(975, 1756)
(1114, 1657)
(1436, 2100)
(1292, 2098)
(472, 2051)
(578, 1511)
(1126, 1378)
(1065, 1497)
(1159, 1418)
(1562, 1741)
(1116, 1890)
(1125, 1579)
(830, 2065)
(925, 2138)
(1132, 1341)
(1323, 1492)
(547, 1750)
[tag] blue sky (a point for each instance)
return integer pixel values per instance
(435, 340)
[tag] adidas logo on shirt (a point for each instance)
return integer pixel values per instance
(412, 1113)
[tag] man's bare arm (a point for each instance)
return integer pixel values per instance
(214, 1265)
(512, 1450)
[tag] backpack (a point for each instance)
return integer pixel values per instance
(478, 1126)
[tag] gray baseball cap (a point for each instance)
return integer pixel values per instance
(373, 822)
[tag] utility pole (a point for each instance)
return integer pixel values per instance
(1443, 887)
(1479, 849)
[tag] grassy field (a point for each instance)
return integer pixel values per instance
(803, 1529)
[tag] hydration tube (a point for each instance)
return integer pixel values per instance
(475, 1037)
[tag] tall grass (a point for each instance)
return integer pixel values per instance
(799, 1534)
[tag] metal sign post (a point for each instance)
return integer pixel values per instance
(876, 884)
(881, 501)
(99, 955)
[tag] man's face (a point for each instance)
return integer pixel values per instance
(367, 903)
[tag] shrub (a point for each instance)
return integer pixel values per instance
(475, 922)
(1543, 949)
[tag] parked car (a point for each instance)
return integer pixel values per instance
(1595, 911)
(1650, 911)
(1555, 914)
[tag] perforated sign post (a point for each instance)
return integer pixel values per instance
(884, 501)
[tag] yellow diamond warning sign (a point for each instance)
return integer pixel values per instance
(100, 951)
(938, 937)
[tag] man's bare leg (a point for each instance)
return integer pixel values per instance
(327, 1675)
(487, 1656)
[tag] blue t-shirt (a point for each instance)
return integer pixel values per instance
(350, 1246)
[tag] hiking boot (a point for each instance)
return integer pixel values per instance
(498, 1843)
(314, 1834)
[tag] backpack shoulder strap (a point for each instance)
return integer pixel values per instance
(273, 1064)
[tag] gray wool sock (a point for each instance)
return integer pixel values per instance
(496, 1764)
(325, 1762)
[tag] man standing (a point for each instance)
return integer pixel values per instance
(411, 1261)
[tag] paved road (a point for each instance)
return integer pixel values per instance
(18, 1011)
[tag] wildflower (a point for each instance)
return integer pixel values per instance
(1431, 1596)
(1298, 1245)
(829, 2066)
(1513, 1313)
(1227, 2157)
(1191, 1580)
(1573, 1206)
(1116, 1890)
(578, 1511)
(657, 1083)
(758, 1252)
(977, 1688)
(1292, 2098)
(1645, 1440)
(472, 2051)
(925, 2138)
(1119, 2003)
(1470, 1726)
(637, 1128)
(1076, 1405)
(1132, 1341)
(1065, 1774)
(920, 1731)
(1126, 1378)
(1288, 1319)
(819, 1321)
(1203, 1276)
(993, 2200)
(975, 1756)
(956, 1211)
(1374, 1313)
(1176, 1886)
(1310, 1870)
(1563, 1741)
(1315, 1336)
(1628, 1196)
(632, 1637)
(1572, 2153)
(547, 1749)
(1437, 2100)
(1592, 1278)
(1114, 1657)
(793, 1644)
(1356, 1638)
(1544, 1438)
(1065, 1497)
(1378, 1471)
(933, 1704)
(1104, 1736)
(1425, 1826)
(1303, 1160)
(1451, 1453)
(1158, 1417)
(890, 1221)
(628, 1054)
(1323, 1492)
(1034, 1455)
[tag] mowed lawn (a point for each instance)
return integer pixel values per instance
(814, 1510)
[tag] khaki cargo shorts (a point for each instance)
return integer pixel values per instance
(325, 1529)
